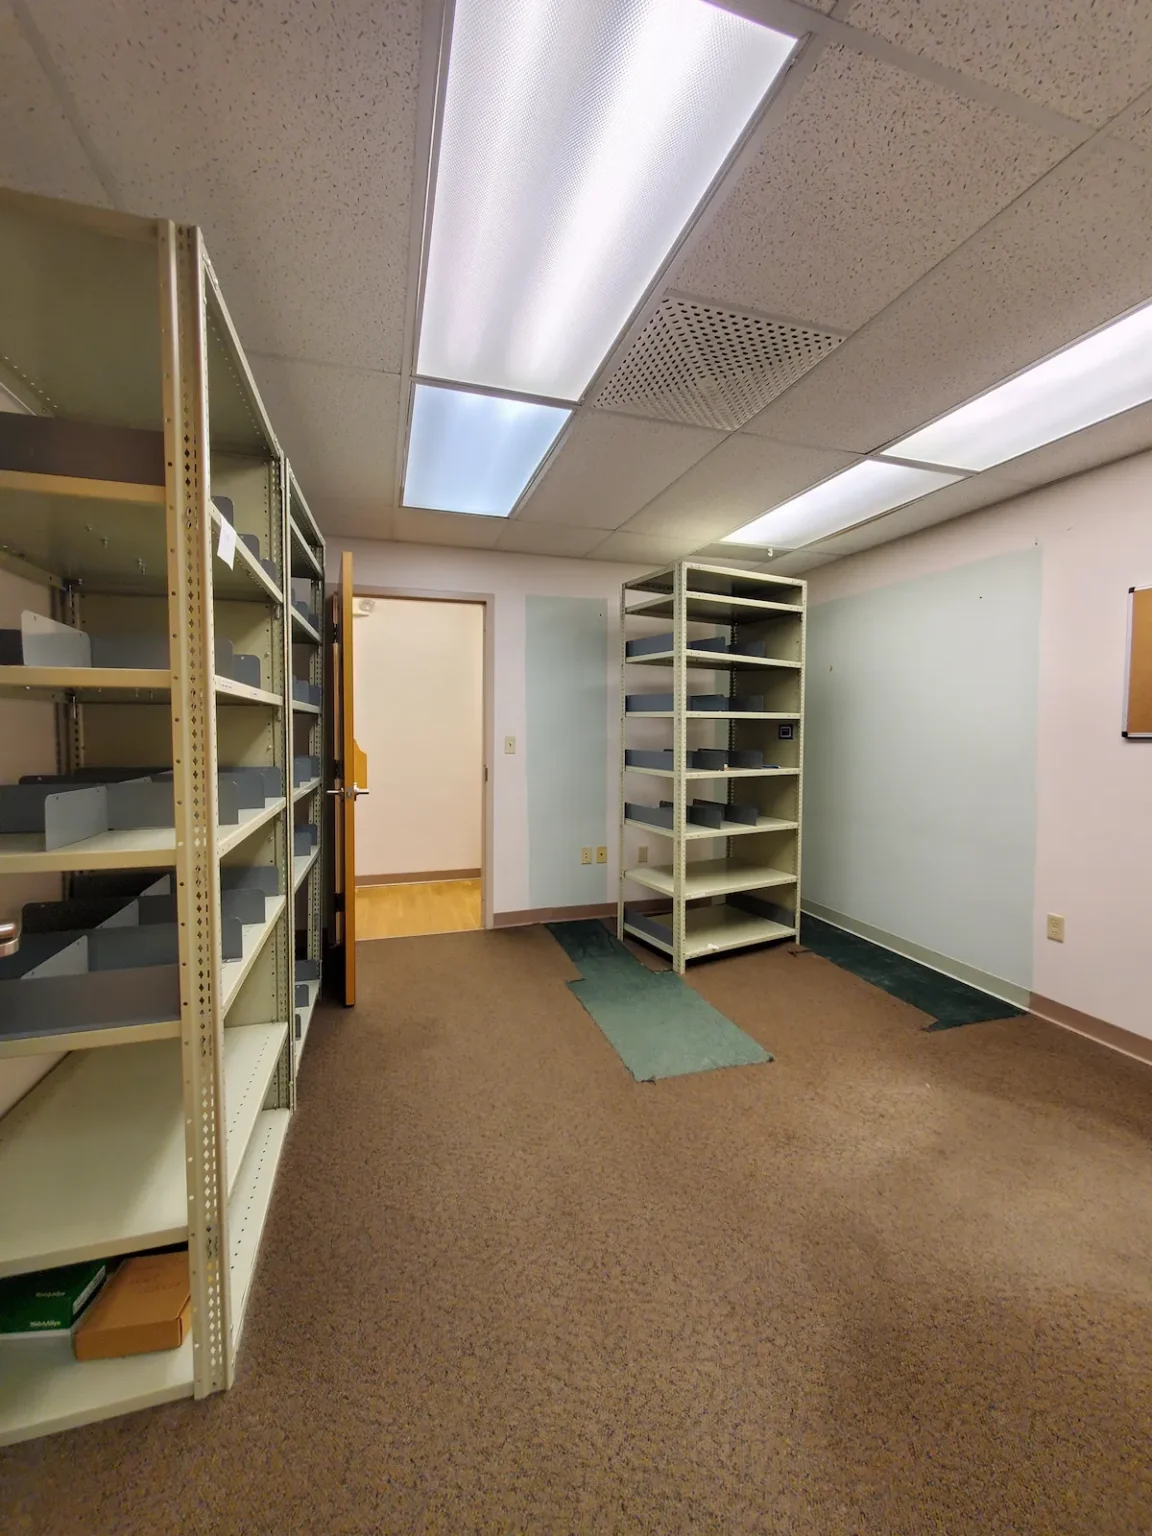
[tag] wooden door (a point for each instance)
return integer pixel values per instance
(350, 781)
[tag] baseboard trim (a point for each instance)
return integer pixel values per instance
(1111, 1035)
(552, 915)
(418, 877)
(996, 986)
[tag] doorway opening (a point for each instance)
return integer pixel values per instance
(418, 681)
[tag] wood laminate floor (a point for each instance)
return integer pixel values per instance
(404, 911)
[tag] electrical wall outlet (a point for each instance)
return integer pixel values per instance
(585, 855)
(642, 854)
(510, 745)
(602, 854)
(1055, 928)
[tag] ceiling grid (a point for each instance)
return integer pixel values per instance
(970, 186)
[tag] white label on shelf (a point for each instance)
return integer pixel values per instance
(226, 549)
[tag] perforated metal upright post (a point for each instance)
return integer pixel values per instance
(620, 860)
(679, 759)
(284, 939)
(197, 875)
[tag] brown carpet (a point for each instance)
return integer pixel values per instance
(893, 1283)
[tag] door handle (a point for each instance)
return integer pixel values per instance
(9, 938)
(352, 793)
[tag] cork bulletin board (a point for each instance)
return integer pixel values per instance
(1138, 689)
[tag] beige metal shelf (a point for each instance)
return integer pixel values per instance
(306, 1014)
(92, 1161)
(711, 930)
(44, 1388)
(251, 1062)
(251, 820)
(76, 486)
(248, 1207)
(246, 577)
(254, 936)
(713, 714)
(301, 547)
(86, 682)
(715, 607)
(91, 1039)
(710, 877)
(302, 867)
(727, 581)
(714, 661)
(300, 708)
(301, 624)
(693, 833)
(228, 691)
(303, 790)
(697, 774)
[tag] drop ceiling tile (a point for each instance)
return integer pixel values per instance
(39, 152)
(1087, 61)
(338, 426)
(413, 525)
(1066, 257)
(872, 176)
(285, 128)
(548, 539)
(798, 562)
(644, 548)
(738, 481)
(353, 519)
(610, 466)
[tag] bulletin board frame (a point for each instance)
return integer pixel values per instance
(1138, 667)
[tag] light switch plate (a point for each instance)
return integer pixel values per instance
(510, 745)
(601, 855)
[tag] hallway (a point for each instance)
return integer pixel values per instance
(891, 1283)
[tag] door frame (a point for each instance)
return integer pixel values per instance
(488, 601)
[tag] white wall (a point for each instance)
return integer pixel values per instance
(1093, 805)
(419, 695)
(510, 579)
(27, 745)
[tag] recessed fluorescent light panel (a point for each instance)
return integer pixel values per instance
(475, 453)
(577, 139)
(853, 496)
(1100, 376)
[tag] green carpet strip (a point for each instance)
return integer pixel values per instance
(951, 1002)
(656, 1025)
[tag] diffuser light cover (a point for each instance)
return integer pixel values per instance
(577, 140)
(853, 496)
(1103, 374)
(475, 453)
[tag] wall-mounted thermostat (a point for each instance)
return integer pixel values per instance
(787, 732)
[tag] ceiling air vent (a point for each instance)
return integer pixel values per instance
(710, 366)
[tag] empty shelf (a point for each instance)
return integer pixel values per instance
(248, 1206)
(710, 930)
(301, 865)
(251, 819)
(302, 626)
(228, 691)
(44, 1388)
(92, 1161)
(247, 578)
(714, 661)
(306, 1014)
(251, 1060)
(710, 877)
(715, 773)
(729, 829)
(305, 561)
(301, 708)
(716, 607)
(88, 682)
(253, 937)
(305, 789)
(714, 714)
(22, 853)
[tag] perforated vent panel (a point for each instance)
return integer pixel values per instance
(711, 367)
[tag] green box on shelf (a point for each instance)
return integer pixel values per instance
(50, 1300)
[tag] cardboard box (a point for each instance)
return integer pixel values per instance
(49, 1301)
(147, 1305)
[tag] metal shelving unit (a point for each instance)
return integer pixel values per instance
(726, 829)
(157, 507)
(307, 605)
